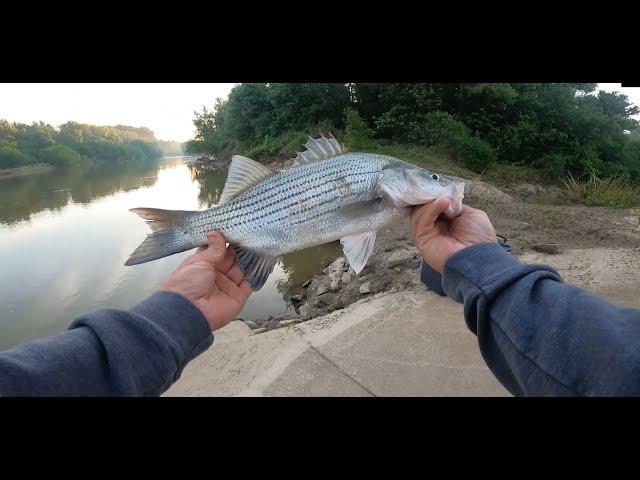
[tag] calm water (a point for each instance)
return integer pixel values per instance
(64, 237)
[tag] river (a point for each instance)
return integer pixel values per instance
(65, 235)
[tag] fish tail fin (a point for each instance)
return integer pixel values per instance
(168, 236)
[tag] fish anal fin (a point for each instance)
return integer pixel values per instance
(255, 267)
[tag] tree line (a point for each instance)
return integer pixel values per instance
(74, 143)
(557, 128)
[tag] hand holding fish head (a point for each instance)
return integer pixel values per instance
(405, 185)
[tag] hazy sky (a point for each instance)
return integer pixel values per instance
(166, 108)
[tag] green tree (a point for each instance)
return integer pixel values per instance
(357, 132)
(12, 157)
(560, 128)
(60, 155)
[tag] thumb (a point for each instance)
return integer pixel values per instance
(216, 250)
(426, 215)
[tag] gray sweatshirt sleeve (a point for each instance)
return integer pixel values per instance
(136, 352)
(540, 336)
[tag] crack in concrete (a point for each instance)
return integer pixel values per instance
(337, 367)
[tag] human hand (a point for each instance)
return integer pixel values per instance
(437, 238)
(212, 281)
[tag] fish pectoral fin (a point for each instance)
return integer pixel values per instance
(243, 173)
(358, 248)
(255, 267)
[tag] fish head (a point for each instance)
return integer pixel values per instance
(405, 184)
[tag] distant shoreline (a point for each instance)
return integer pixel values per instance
(35, 169)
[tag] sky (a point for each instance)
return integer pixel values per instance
(632, 92)
(165, 108)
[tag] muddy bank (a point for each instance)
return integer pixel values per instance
(35, 169)
(222, 162)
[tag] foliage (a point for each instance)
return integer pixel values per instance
(267, 148)
(60, 155)
(555, 128)
(74, 143)
(11, 157)
(442, 131)
(357, 135)
(255, 112)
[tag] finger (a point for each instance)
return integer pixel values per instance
(216, 250)
(227, 262)
(235, 274)
(426, 215)
(238, 292)
(226, 285)
(245, 290)
(193, 258)
(466, 209)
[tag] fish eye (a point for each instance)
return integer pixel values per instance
(435, 176)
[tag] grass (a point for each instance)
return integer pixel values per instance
(608, 192)
(512, 174)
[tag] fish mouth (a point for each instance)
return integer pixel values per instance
(455, 206)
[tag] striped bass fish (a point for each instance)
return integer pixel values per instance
(328, 194)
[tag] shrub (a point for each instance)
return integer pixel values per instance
(441, 130)
(358, 135)
(12, 157)
(268, 147)
(60, 155)
(292, 142)
(476, 154)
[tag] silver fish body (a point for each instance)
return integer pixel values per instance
(330, 196)
(302, 207)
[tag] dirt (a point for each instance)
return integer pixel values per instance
(594, 247)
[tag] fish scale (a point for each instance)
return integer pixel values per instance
(328, 195)
(293, 198)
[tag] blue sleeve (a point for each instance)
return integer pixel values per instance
(540, 336)
(138, 352)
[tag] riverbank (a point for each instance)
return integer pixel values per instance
(531, 227)
(34, 169)
(219, 164)
(534, 218)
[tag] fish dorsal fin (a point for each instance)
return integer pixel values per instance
(318, 150)
(358, 248)
(255, 267)
(243, 173)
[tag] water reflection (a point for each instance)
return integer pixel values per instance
(65, 235)
(22, 197)
(211, 185)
